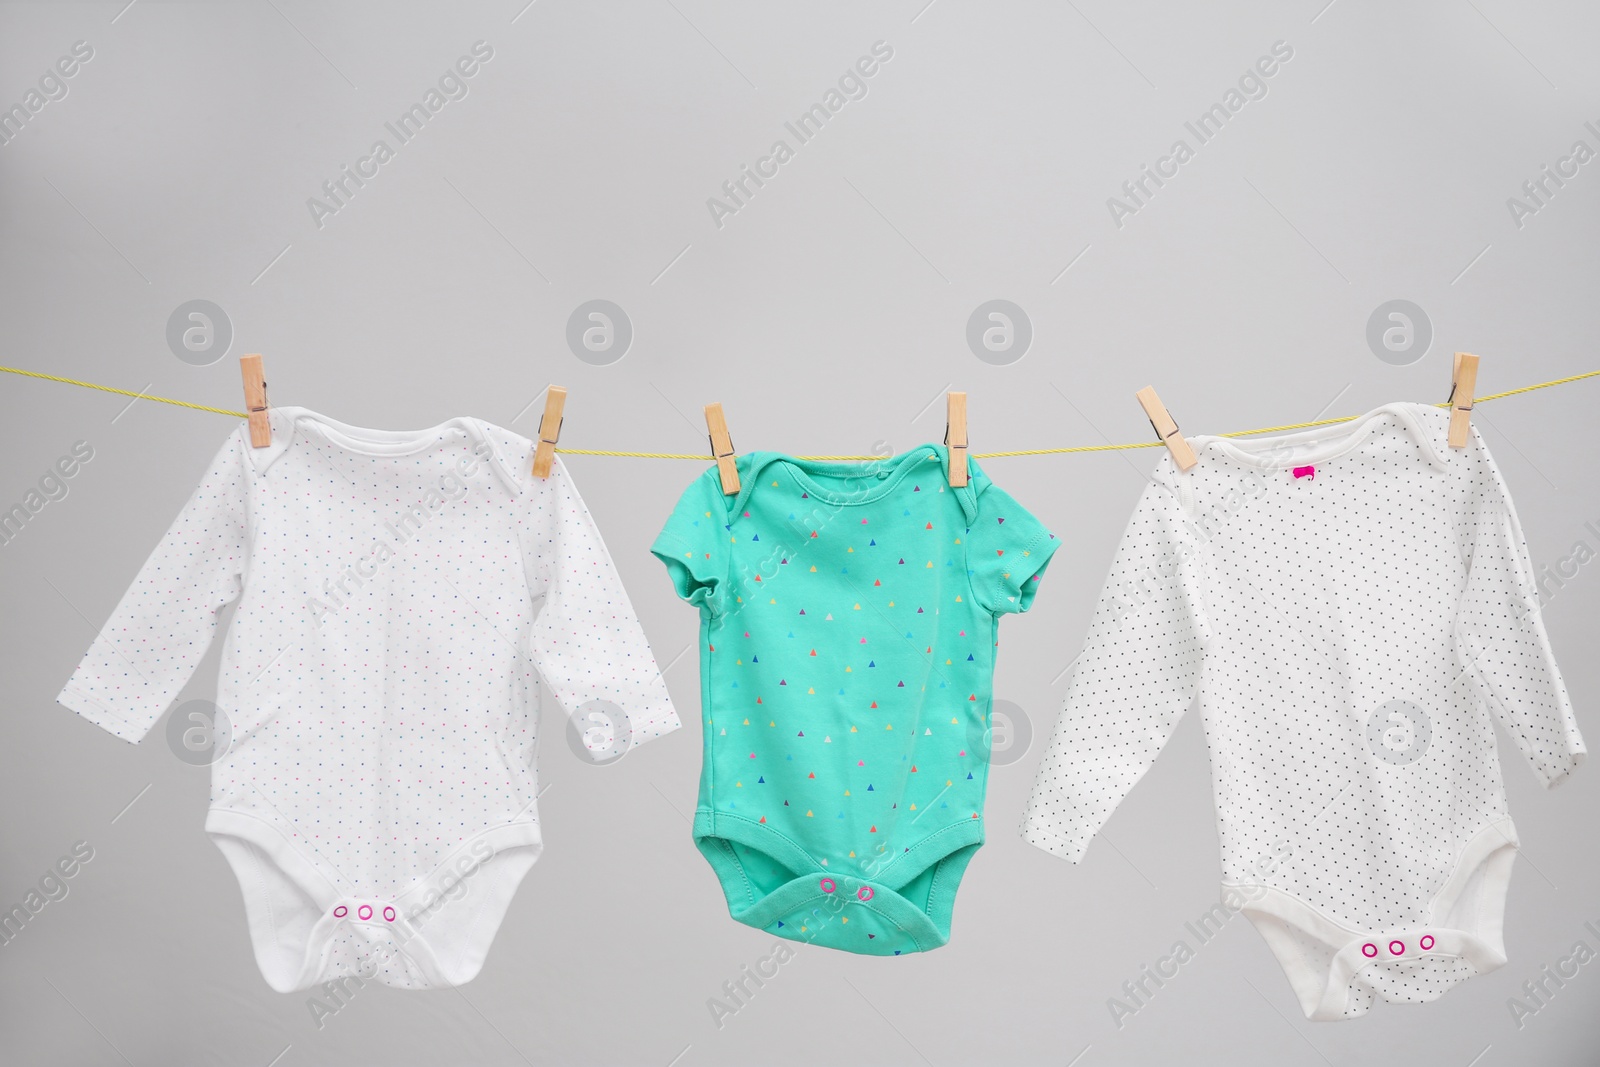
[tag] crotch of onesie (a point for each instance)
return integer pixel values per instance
(1337, 972)
(886, 907)
(310, 924)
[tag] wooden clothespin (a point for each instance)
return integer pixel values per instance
(955, 436)
(1166, 428)
(1463, 386)
(255, 400)
(722, 449)
(544, 454)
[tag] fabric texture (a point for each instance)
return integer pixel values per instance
(1354, 609)
(849, 616)
(404, 600)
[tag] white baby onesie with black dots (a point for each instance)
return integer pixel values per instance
(1355, 609)
(403, 599)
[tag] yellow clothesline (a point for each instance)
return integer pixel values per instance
(706, 458)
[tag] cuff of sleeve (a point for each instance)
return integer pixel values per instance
(690, 583)
(1015, 590)
(1054, 838)
(1560, 772)
(657, 721)
(105, 718)
(605, 732)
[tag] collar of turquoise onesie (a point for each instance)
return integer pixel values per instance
(853, 482)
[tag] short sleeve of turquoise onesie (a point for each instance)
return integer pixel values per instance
(694, 544)
(1007, 551)
(849, 617)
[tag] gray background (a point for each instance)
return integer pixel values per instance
(828, 314)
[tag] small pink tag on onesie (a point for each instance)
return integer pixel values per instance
(1305, 472)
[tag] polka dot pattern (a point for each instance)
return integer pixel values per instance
(1353, 608)
(404, 600)
(849, 627)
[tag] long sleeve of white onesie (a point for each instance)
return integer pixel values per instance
(1501, 639)
(1136, 676)
(166, 620)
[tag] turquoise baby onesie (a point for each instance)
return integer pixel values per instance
(848, 621)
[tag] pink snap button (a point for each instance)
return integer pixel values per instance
(364, 912)
(827, 885)
(340, 912)
(1426, 942)
(388, 913)
(1369, 950)
(1396, 948)
(864, 893)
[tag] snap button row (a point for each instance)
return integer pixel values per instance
(863, 894)
(1397, 947)
(364, 912)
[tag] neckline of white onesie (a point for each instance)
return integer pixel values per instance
(288, 422)
(369, 442)
(1297, 449)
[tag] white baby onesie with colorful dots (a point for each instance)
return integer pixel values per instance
(403, 599)
(1355, 609)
